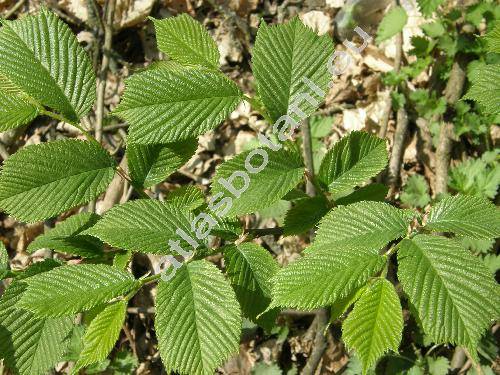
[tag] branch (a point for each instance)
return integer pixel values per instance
(452, 94)
(322, 316)
(103, 73)
(397, 66)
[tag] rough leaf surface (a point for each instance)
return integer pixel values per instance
(186, 41)
(304, 215)
(363, 224)
(323, 276)
(66, 237)
(67, 290)
(250, 269)
(166, 104)
(375, 325)
(102, 333)
(466, 215)
(143, 225)
(282, 173)
(15, 110)
(283, 55)
(352, 161)
(198, 320)
(485, 88)
(30, 345)
(452, 291)
(153, 163)
(40, 55)
(42, 181)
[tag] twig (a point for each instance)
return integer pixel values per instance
(259, 232)
(308, 157)
(322, 316)
(452, 93)
(397, 66)
(398, 148)
(14, 9)
(101, 86)
(109, 128)
(319, 343)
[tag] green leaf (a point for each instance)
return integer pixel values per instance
(70, 289)
(493, 38)
(29, 345)
(321, 126)
(4, 261)
(143, 225)
(375, 325)
(41, 56)
(438, 366)
(352, 161)
(44, 180)
(15, 110)
(416, 192)
(372, 192)
(250, 269)
(467, 215)
(102, 333)
(323, 276)
(66, 237)
(305, 214)
(485, 88)
(392, 24)
(342, 305)
(165, 104)
(282, 173)
(450, 288)
(283, 55)
(188, 196)
(427, 7)
(198, 320)
(153, 163)
(186, 41)
(364, 224)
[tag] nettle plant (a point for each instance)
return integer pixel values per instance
(43, 71)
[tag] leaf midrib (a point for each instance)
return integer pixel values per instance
(444, 284)
(65, 99)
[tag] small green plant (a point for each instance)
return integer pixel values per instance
(198, 321)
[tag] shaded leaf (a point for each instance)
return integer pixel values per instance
(250, 269)
(66, 237)
(152, 163)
